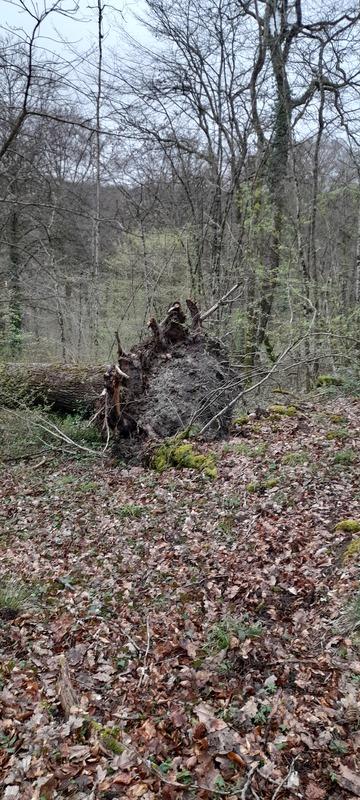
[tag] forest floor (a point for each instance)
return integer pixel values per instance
(176, 636)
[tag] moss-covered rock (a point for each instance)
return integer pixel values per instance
(348, 525)
(177, 453)
(352, 550)
(286, 411)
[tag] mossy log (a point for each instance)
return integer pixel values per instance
(67, 388)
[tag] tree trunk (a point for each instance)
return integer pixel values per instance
(67, 388)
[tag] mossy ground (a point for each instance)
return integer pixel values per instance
(348, 525)
(182, 455)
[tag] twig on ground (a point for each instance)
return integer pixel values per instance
(144, 666)
(249, 778)
(285, 779)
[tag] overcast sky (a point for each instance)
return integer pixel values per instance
(81, 28)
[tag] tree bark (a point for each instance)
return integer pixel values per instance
(67, 388)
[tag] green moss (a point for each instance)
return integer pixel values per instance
(338, 419)
(353, 549)
(287, 411)
(108, 737)
(348, 525)
(261, 486)
(242, 420)
(177, 453)
(329, 380)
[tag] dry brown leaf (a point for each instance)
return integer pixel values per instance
(137, 790)
(314, 792)
(349, 780)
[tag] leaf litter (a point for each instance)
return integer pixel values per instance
(196, 648)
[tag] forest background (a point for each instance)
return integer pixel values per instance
(222, 152)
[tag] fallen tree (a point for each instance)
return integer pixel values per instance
(176, 378)
(67, 388)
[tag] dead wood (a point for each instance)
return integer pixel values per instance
(67, 696)
(177, 377)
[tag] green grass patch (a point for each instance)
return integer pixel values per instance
(345, 457)
(258, 487)
(130, 511)
(220, 634)
(339, 433)
(15, 597)
(295, 458)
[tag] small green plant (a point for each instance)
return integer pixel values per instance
(226, 524)
(184, 777)
(77, 429)
(177, 453)
(254, 452)
(350, 617)
(297, 457)
(65, 480)
(271, 688)
(8, 742)
(242, 420)
(88, 486)
(338, 746)
(348, 525)
(165, 766)
(220, 783)
(345, 457)
(232, 502)
(130, 511)
(220, 635)
(109, 737)
(262, 715)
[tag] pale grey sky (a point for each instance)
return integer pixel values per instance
(79, 29)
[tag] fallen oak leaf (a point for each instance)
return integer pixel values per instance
(207, 716)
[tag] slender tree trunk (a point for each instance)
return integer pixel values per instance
(15, 305)
(94, 289)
